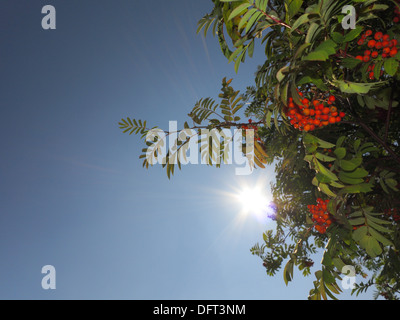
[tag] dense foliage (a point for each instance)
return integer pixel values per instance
(327, 116)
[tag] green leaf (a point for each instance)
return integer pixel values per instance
(235, 54)
(365, 146)
(391, 65)
(317, 56)
(311, 148)
(346, 179)
(301, 49)
(377, 75)
(288, 272)
(329, 46)
(336, 184)
(382, 184)
(293, 7)
(326, 172)
(254, 18)
(373, 248)
(380, 237)
(327, 275)
(221, 39)
(280, 74)
(246, 17)
(325, 144)
(350, 63)
(268, 118)
(338, 263)
(337, 37)
(313, 31)
(357, 144)
(324, 157)
(350, 165)
(239, 59)
(322, 178)
(355, 214)
(301, 20)
(322, 52)
(373, 221)
(353, 87)
(238, 10)
(359, 233)
(250, 50)
(391, 183)
(325, 189)
(309, 158)
(332, 207)
(356, 174)
(340, 152)
(326, 259)
(309, 138)
(360, 101)
(357, 188)
(364, 241)
(340, 141)
(357, 221)
(354, 33)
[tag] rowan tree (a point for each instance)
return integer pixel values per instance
(327, 117)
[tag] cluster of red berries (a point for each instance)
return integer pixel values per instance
(380, 45)
(251, 126)
(380, 41)
(310, 115)
(321, 217)
(394, 213)
(396, 18)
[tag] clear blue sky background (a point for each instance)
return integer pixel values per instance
(73, 193)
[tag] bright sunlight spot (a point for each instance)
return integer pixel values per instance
(253, 200)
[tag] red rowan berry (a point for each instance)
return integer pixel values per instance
(378, 35)
(374, 54)
(371, 43)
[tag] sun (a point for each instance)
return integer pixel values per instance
(250, 200)
(253, 200)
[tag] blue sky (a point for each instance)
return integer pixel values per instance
(73, 193)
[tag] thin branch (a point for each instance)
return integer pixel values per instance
(395, 156)
(220, 126)
(277, 21)
(388, 116)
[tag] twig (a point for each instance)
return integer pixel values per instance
(278, 21)
(388, 116)
(377, 138)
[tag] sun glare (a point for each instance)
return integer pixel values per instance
(254, 201)
(251, 200)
